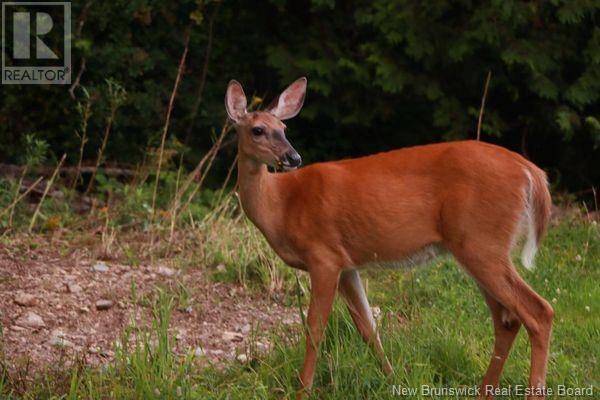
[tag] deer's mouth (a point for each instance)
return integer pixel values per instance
(289, 161)
(283, 166)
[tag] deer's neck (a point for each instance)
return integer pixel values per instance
(259, 195)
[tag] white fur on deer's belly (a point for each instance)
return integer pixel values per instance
(423, 256)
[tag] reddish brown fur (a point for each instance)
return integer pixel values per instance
(332, 218)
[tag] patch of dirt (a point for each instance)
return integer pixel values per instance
(53, 303)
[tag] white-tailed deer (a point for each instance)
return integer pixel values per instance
(332, 219)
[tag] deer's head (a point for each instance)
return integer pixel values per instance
(261, 134)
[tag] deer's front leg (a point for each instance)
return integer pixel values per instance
(323, 285)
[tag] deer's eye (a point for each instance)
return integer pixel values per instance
(257, 131)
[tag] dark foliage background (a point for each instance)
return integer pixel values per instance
(382, 74)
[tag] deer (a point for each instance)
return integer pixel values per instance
(469, 199)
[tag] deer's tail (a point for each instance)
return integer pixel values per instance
(537, 212)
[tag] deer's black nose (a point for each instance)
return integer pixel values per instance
(293, 159)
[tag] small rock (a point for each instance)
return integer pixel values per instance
(57, 333)
(25, 299)
(57, 339)
(30, 320)
(216, 352)
(245, 329)
(264, 346)
(61, 342)
(376, 312)
(165, 271)
(179, 391)
(199, 352)
(100, 266)
(72, 287)
(221, 268)
(103, 304)
(121, 304)
(242, 358)
(232, 336)
(188, 310)
(84, 309)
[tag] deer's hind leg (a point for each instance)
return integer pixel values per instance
(506, 328)
(354, 294)
(495, 273)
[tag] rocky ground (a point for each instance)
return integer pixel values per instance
(55, 303)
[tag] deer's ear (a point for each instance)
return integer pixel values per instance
(290, 101)
(235, 101)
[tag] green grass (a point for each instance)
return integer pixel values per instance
(435, 328)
